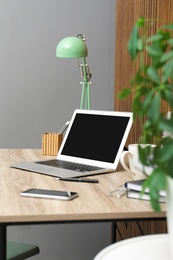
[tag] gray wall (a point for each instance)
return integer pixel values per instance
(39, 93)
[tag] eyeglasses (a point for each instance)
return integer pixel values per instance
(119, 192)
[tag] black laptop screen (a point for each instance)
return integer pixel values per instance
(95, 137)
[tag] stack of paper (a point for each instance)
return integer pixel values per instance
(134, 189)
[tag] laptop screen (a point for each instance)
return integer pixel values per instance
(95, 136)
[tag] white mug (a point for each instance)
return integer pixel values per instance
(135, 166)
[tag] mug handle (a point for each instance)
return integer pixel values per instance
(122, 160)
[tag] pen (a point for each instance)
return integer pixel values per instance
(78, 179)
(64, 127)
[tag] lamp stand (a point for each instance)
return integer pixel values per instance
(85, 96)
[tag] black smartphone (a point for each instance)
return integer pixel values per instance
(49, 194)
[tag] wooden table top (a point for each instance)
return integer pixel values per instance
(94, 201)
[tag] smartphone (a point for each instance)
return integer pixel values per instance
(49, 194)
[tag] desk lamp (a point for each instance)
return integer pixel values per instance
(75, 47)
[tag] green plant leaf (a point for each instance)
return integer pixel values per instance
(165, 154)
(147, 133)
(167, 70)
(140, 44)
(141, 79)
(153, 111)
(140, 22)
(166, 125)
(168, 96)
(170, 168)
(169, 86)
(170, 41)
(165, 34)
(144, 154)
(148, 99)
(133, 43)
(153, 74)
(155, 182)
(137, 106)
(169, 26)
(124, 93)
(155, 37)
(154, 51)
(166, 56)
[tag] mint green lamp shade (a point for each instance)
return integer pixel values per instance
(71, 47)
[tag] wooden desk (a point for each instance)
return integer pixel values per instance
(93, 203)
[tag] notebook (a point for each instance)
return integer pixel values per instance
(93, 141)
(136, 187)
(145, 196)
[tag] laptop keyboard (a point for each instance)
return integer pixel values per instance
(69, 165)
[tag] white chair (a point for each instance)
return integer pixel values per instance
(139, 248)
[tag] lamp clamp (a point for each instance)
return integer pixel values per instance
(82, 37)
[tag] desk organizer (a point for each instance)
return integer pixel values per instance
(51, 143)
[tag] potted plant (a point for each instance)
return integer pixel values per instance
(151, 87)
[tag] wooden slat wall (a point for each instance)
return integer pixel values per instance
(127, 12)
(139, 228)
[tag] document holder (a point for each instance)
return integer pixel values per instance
(51, 143)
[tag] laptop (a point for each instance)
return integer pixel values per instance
(92, 145)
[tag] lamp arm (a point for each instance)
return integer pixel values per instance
(85, 73)
(84, 69)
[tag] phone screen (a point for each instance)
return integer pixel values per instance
(51, 194)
